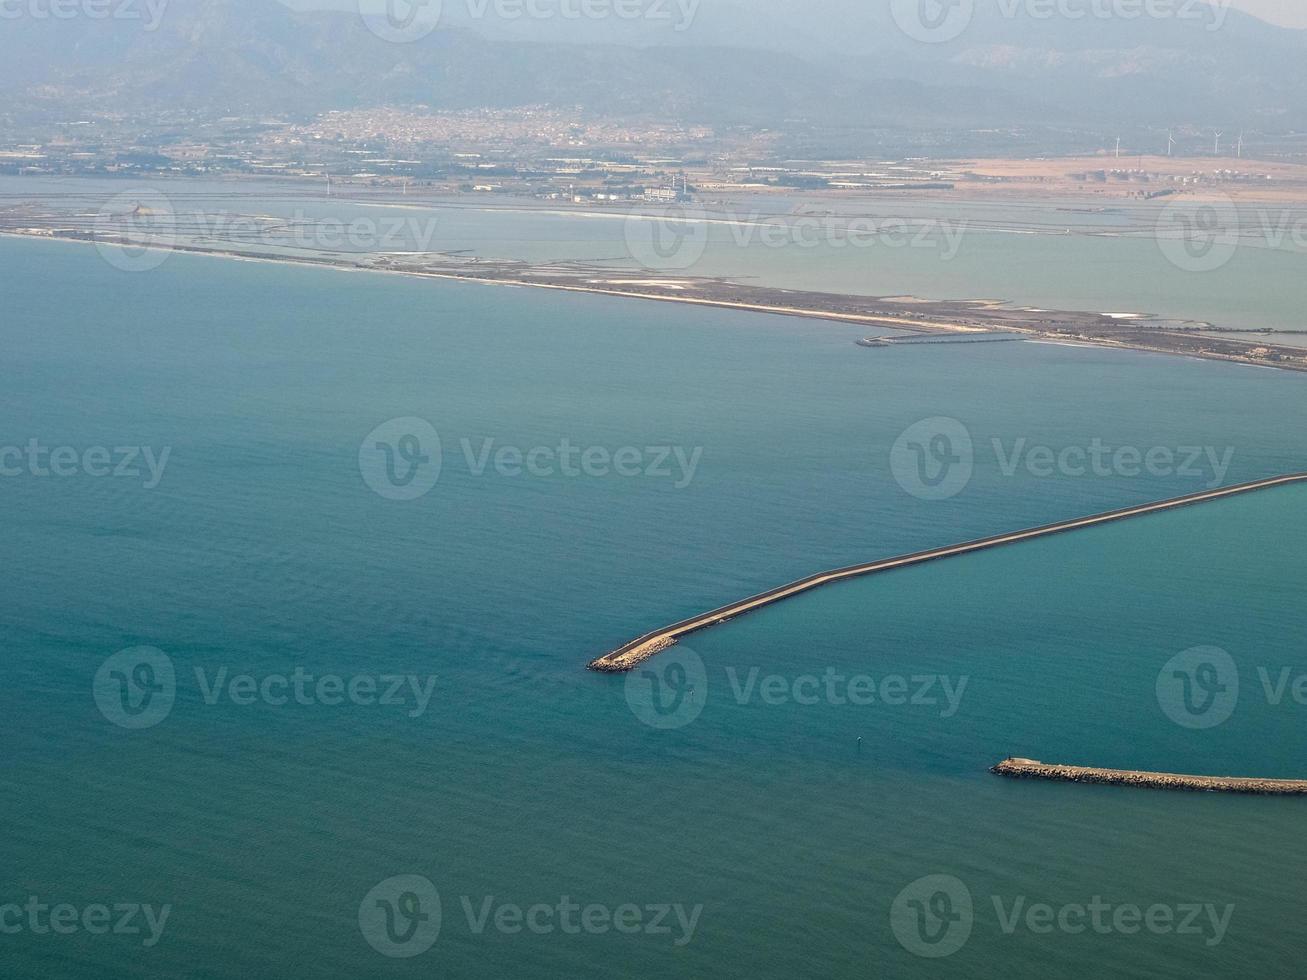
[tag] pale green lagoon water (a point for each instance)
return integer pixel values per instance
(1092, 254)
(529, 779)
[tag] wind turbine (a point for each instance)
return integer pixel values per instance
(1170, 143)
(1219, 134)
(1118, 147)
(1241, 146)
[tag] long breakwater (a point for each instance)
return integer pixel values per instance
(1033, 769)
(630, 655)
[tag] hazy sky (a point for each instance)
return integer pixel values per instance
(1291, 13)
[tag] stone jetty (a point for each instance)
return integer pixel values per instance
(1033, 769)
(630, 655)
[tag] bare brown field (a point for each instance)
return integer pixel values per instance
(1133, 176)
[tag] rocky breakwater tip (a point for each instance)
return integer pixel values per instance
(629, 657)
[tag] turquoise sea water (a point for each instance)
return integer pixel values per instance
(263, 550)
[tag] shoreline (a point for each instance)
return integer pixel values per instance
(347, 266)
(630, 655)
(1134, 779)
(957, 317)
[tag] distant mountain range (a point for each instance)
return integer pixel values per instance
(776, 63)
